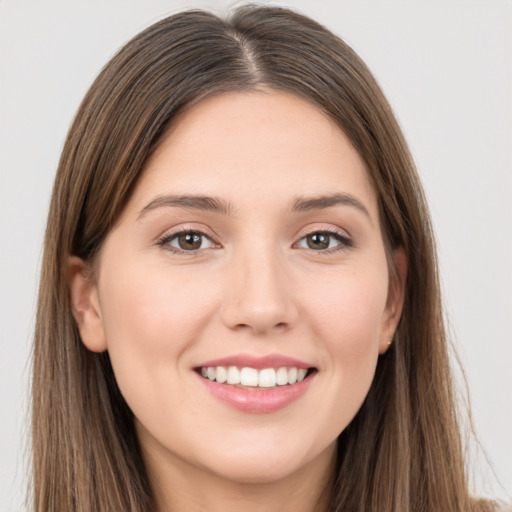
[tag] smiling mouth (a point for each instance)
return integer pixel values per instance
(252, 378)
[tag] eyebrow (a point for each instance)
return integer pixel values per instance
(217, 205)
(204, 203)
(303, 204)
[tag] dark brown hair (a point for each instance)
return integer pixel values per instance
(402, 451)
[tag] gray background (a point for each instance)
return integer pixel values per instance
(446, 67)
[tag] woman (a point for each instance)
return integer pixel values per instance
(239, 305)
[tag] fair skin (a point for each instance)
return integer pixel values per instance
(263, 269)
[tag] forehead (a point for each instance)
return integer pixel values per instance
(255, 145)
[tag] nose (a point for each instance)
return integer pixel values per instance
(258, 294)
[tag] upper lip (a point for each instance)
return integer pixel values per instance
(257, 362)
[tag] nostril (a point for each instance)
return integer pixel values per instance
(260, 326)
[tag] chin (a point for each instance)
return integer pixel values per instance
(257, 472)
(262, 466)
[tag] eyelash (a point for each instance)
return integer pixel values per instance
(344, 241)
(165, 241)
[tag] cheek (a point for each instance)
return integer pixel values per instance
(151, 317)
(153, 310)
(347, 319)
(349, 311)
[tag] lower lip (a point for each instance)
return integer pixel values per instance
(257, 401)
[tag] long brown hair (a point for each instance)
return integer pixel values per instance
(402, 451)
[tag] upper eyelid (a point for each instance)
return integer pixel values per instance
(211, 234)
(343, 237)
(334, 230)
(171, 233)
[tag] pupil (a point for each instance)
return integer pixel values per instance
(318, 241)
(189, 241)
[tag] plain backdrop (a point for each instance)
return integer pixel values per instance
(446, 67)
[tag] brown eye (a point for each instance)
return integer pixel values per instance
(187, 241)
(325, 241)
(318, 241)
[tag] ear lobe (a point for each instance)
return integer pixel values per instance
(395, 301)
(85, 305)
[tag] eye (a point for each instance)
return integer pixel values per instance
(186, 241)
(324, 240)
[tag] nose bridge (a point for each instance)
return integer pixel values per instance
(258, 296)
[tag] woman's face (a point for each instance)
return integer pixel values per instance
(250, 249)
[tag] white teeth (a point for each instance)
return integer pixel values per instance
(266, 378)
(249, 377)
(292, 375)
(282, 376)
(222, 374)
(233, 375)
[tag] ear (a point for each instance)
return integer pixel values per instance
(395, 300)
(85, 305)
